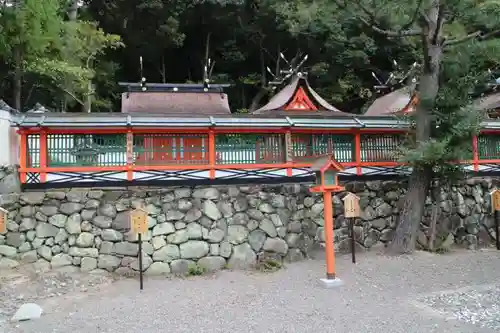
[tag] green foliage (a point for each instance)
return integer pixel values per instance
(37, 43)
(269, 264)
(60, 58)
(455, 115)
(196, 270)
(83, 43)
(34, 26)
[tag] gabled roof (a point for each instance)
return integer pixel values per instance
(491, 101)
(298, 97)
(176, 103)
(175, 99)
(398, 101)
(402, 101)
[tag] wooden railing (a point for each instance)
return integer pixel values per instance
(130, 151)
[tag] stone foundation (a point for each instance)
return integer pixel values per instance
(9, 179)
(219, 227)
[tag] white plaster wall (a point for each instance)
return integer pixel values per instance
(9, 140)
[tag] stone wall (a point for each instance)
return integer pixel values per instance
(462, 213)
(9, 179)
(218, 227)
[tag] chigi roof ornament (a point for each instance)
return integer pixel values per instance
(207, 74)
(176, 99)
(295, 95)
(280, 76)
(397, 78)
(398, 91)
(143, 79)
(494, 81)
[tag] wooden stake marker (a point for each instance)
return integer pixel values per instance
(351, 212)
(139, 226)
(3, 220)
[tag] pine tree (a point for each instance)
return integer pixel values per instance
(455, 42)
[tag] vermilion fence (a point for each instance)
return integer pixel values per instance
(129, 151)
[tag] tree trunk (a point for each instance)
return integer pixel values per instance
(411, 213)
(434, 214)
(72, 13)
(263, 82)
(257, 98)
(18, 79)
(87, 105)
(404, 238)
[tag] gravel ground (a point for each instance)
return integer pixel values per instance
(455, 292)
(29, 285)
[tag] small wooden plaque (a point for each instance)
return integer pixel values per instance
(351, 206)
(139, 221)
(495, 200)
(3, 220)
(289, 147)
(130, 144)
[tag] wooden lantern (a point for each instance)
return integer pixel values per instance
(326, 170)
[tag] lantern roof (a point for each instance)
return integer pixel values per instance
(325, 162)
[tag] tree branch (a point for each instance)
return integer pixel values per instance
(457, 41)
(479, 35)
(72, 95)
(439, 23)
(414, 17)
(494, 33)
(391, 33)
(368, 12)
(373, 24)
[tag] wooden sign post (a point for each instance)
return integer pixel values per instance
(495, 207)
(351, 212)
(3, 220)
(139, 226)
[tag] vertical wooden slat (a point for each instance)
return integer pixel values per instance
(288, 153)
(130, 155)
(43, 156)
(211, 153)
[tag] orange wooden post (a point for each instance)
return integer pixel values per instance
(130, 155)
(475, 153)
(326, 170)
(43, 156)
(328, 227)
(23, 155)
(357, 149)
(211, 153)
